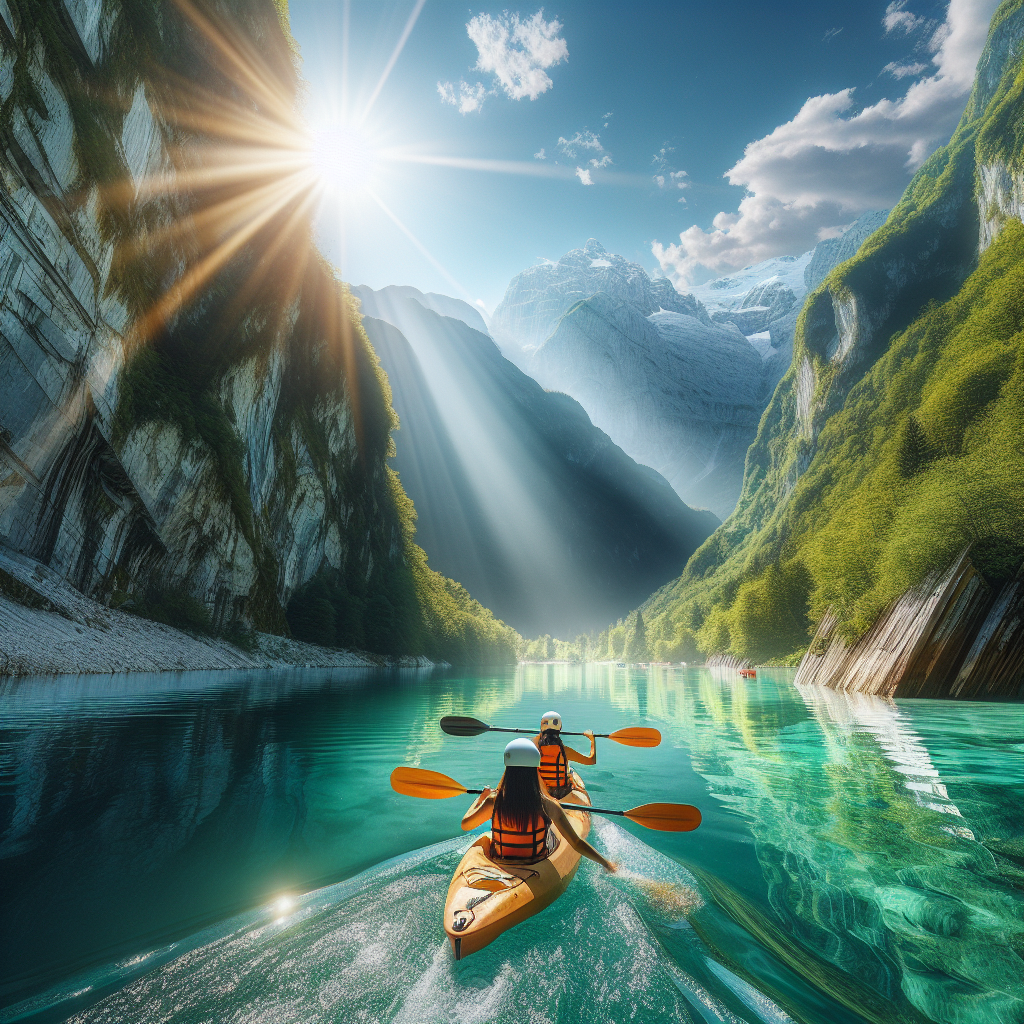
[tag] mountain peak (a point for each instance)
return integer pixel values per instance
(593, 245)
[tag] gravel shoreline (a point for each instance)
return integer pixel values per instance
(49, 628)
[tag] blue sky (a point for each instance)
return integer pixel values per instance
(701, 81)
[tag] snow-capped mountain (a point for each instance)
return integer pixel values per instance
(679, 382)
(537, 297)
(680, 394)
(732, 292)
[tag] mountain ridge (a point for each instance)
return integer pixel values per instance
(519, 495)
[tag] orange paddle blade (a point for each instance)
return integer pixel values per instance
(636, 737)
(425, 784)
(666, 817)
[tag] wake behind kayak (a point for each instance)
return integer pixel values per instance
(362, 950)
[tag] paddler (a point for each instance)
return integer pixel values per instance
(555, 755)
(522, 813)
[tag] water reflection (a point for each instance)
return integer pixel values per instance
(860, 860)
(865, 856)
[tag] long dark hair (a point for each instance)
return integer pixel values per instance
(551, 737)
(517, 801)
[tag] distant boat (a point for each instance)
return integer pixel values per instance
(620, 664)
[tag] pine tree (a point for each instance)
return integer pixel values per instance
(915, 451)
(636, 647)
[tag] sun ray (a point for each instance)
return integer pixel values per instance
(420, 246)
(346, 15)
(251, 71)
(292, 230)
(529, 168)
(202, 272)
(399, 46)
(525, 167)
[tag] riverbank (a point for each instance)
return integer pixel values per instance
(49, 628)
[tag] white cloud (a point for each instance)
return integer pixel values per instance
(540, 154)
(584, 175)
(660, 159)
(581, 140)
(464, 96)
(831, 34)
(668, 177)
(603, 162)
(897, 18)
(904, 70)
(517, 52)
(830, 163)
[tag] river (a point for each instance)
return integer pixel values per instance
(225, 847)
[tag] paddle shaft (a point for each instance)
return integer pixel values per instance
(568, 807)
(533, 732)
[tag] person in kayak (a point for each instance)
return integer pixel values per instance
(555, 755)
(522, 814)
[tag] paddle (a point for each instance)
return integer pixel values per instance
(636, 736)
(430, 785)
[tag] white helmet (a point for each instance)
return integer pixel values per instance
(522, 753)
(551, 720)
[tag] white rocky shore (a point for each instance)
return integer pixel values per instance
(49, 628)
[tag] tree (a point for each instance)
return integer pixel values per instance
(617, 639)
(636, 646)
(915, 451)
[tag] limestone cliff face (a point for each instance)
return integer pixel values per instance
(1000, 195)
(229, 446)
(952, 636)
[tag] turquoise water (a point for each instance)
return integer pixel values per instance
(225, 847)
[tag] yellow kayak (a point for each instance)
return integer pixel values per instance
(487, 897)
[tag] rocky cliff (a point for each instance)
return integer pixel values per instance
(951, 636)
(684, 397)
(193, 422)
(679, 393)
(892, 444)
(519, 496)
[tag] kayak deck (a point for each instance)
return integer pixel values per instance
(487, 897)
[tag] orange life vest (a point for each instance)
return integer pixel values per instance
(554, 766)
(509, 843)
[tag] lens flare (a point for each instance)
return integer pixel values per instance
(343, 158)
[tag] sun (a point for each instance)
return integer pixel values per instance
(344, 158)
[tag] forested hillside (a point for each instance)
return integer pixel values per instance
(894, 441)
